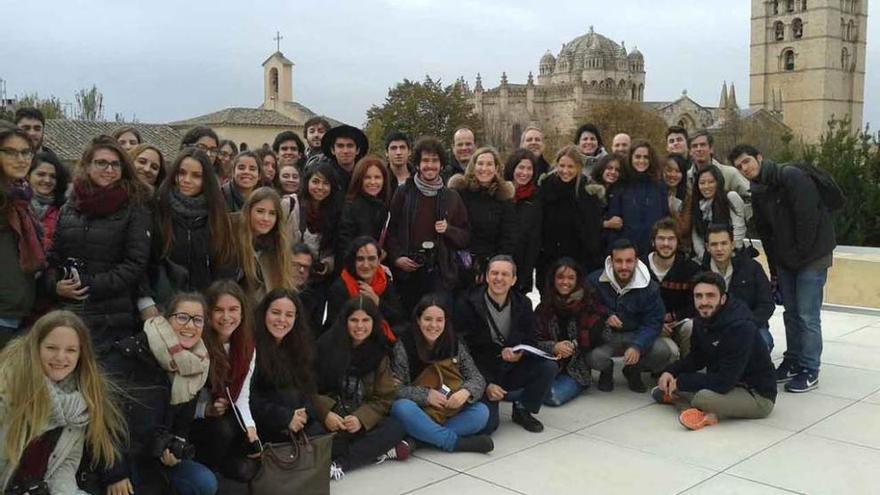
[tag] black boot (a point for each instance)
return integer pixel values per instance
(525, 419)
(634, 379)
(481, 444)
(606, 380)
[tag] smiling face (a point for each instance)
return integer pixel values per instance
(641, 159)
(611, 174)
(500, 277)
(523, 172)
(708, 300)
(484, 169)
(34, 130)
(43, 179)
(429, 166)
(246, 173)
(289, 179)
(565, 280)
(533, 140)
(588, 143)
(280, 318)
(188, 321)
(463, 145)
(59, 353)
(225, 317)
(269, 168)
(105, 168)
(359, 325)
(319, 187)
(620, 144)
(264, 216)
(128, 141)
(623, 262)
(16, 157)
(665, 243)
(366, 262)
(701, 150)
(189, 177)
(373, 181)
(707, 185)
(314, 134)
(566, 169)
(288, 153)
(671, 174)
(432, 322)
(147, 165)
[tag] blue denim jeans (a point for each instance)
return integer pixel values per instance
(564, 389)
(764, 331)
(470, 420)
(802, 293)
(192, 478)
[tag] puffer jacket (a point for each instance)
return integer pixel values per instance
(491, 217)
(114, 252)
(639, 203)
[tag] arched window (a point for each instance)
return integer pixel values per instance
(641, 92)
(634, 95)
(851, 34)
(854, 6)
(789, 5)
(797, 28)
(803, 5)
(844, 59)
(788, 60)
(775, 5)
(273, 83)
(779, 30)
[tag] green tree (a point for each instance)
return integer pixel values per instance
(423, 108)
(52, 107)
(90, 104)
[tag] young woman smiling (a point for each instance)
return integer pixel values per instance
(709, 204)
(149, 164)
(366, 205)
(192, 242)
(225, 433)
(269, 169)
(356, 388)
(491, 217)
(53, 402)
(21, 253)
(521, 170)
(245, 179)
(49, 179)
(264, 253)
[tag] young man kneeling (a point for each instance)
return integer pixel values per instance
(739, 379)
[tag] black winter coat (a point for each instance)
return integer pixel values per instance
(472, 323)
(528, 245)
(491, 218)
(750, 285)
(273, 406)
(732, 352)
(361, 216)
(114, 252)
(571, 222)
(795, 226)
(389, 304)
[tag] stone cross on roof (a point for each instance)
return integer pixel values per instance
(278, 39)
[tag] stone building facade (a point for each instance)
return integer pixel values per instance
(808, 61)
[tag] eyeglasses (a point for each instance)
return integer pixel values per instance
(183, 319)
(301, 267)
(26, 155)
(105, 165)
(209, 151)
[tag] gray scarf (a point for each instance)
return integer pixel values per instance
(68, 406)
(429, 189)
(188, 206)
(40, 204)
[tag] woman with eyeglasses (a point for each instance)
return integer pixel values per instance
(102, 244)
(363, 275)
(21, 252)
(227, 152)
(245, 179)
(205, 139)
(149, 164)
(164, 367)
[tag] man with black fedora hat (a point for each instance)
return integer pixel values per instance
(345, 145)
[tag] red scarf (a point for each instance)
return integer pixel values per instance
(241, 353)
(98, 202)
(22, 221)
(524, 192)
(378, 284)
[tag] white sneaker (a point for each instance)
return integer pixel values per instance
(336, 472)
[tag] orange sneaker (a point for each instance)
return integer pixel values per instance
(694, 419)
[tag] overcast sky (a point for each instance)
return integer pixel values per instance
(165, 60)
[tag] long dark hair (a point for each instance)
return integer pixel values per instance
(138, 192)
(240, 343)
(630, 173)
(62, 176)
(289, 362)
(514, 159)
(597, 175)
(720, 203)
(356, 186)
(222, 242)
(446, 345)
(682, 164)
(337, 356)
(328, 210)
(350, 256)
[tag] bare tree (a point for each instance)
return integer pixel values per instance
(90, 104)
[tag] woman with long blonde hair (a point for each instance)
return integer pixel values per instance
(54, 400)
(264, 252)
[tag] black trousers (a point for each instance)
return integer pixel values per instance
(531, 375)
(220, 445)
(351, 451)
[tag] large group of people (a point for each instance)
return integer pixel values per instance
(161, 318)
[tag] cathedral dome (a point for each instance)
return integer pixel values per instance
(635, 55)
(590, 45)
(548, 59)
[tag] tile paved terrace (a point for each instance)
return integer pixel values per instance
(823, 442)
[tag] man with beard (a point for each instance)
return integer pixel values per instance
(314, 130)
(398, 148)
(636, 318)
(32, 122)
(533, 140)
(463, 146)
(620, 144)
(673, 271)
(493, 319)
(739, 380)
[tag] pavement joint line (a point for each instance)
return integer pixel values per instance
(494, 483)
(430, 484)
(789, 490)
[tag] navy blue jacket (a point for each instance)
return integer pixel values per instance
(732, 352)
(639, 203)
(749, 284)
(640, 310)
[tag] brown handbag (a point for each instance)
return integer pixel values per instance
(434, 376)
(300, 466)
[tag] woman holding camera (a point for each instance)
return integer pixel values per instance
(166, 365)
(53, 401)
(364, 276)
(356, 388)
(438, 399)
(225, 432)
